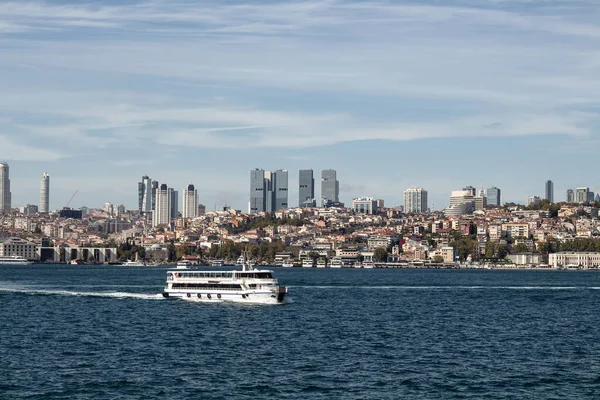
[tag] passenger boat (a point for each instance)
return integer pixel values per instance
(307, 263)
(287, 263)
(130, 263)
(184, 264)
(321, 263)
(336, 262)
(14, 260)
(253, 286)
(216, 263)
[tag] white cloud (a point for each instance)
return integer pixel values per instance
(14, 151)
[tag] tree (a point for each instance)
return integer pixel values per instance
(380, 255)
(438, 259)
(519, 248)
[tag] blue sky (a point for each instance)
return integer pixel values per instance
(435, 94)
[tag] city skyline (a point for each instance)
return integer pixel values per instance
(482, 79)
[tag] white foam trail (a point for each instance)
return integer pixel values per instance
(120, 295)
(479, 287)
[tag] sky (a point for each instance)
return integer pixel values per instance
(392, 94)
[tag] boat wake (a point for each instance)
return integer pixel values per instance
(458, 287)
(47, 292)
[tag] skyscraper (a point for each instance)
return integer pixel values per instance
(5, 196)
(258, 191)
(415, 200)
(45, 193)
(570, 196)
(153, 195)
(330, 187)
(494, 196)
(190, 202)
(549, 191)
(162, 210)
(280, 189)
(174, 199)
(145, 194)
(306, 188)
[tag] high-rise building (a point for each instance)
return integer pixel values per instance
(190, 202)
(330, 187)
(306, 188)
(415, 200)
(582, 195)
(494, 196)
(162, 210)
(145, 194)
(5, 196)
(461, 202)
(549, 192)
(533, 200)
(201, 209)
(45, 193)
(570, 196)
(280, 189)
(153, 195)
(364, 205)
(174, 199)
(591, 196)
(471, 189)
(258, 191)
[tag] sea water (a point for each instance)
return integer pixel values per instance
(96, 332)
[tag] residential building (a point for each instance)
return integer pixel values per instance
(570, 196)
(582, 195)
(533, 200)
(44, 193)
(162, 211)
(201, 209)
(5, 195)
(330, 187)
(516, 229)
(306, 188)
(190, 202)
(364, 205)
(494, 196)
(448, 254)
(415, 200)
(549, 192)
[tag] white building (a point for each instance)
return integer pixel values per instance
(190, 202)
(45, 193)
(365, 205)
(461, 202)
(162, 212)
(18, 247)
(415, 200)
(583, 259)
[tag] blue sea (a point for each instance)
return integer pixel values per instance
(89, 332)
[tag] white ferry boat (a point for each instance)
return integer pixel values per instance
(184, 264)
(336, 262)
(307, 263)
(130, 263)
(14, 260)
(249, 285)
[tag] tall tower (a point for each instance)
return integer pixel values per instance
(306, 188)
(5, 196)
(174, 199)
(258, 191)
(330, 187)
(145, 194)
(493, 196)
(415, 200)
(190, 202)
(45, 193)
(549, 191)
(162, 211)
(280, 189)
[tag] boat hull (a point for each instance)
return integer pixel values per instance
(248, 297)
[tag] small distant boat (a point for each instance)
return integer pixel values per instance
(358, 264)
(287, 263)
(368, 264)
(336, 262)
(14, 260)
(130, 263)
(216, 263)
(184, 264)
(77, 261)
(321, 263)
(307, 263)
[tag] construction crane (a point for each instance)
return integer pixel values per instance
(71, 199)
